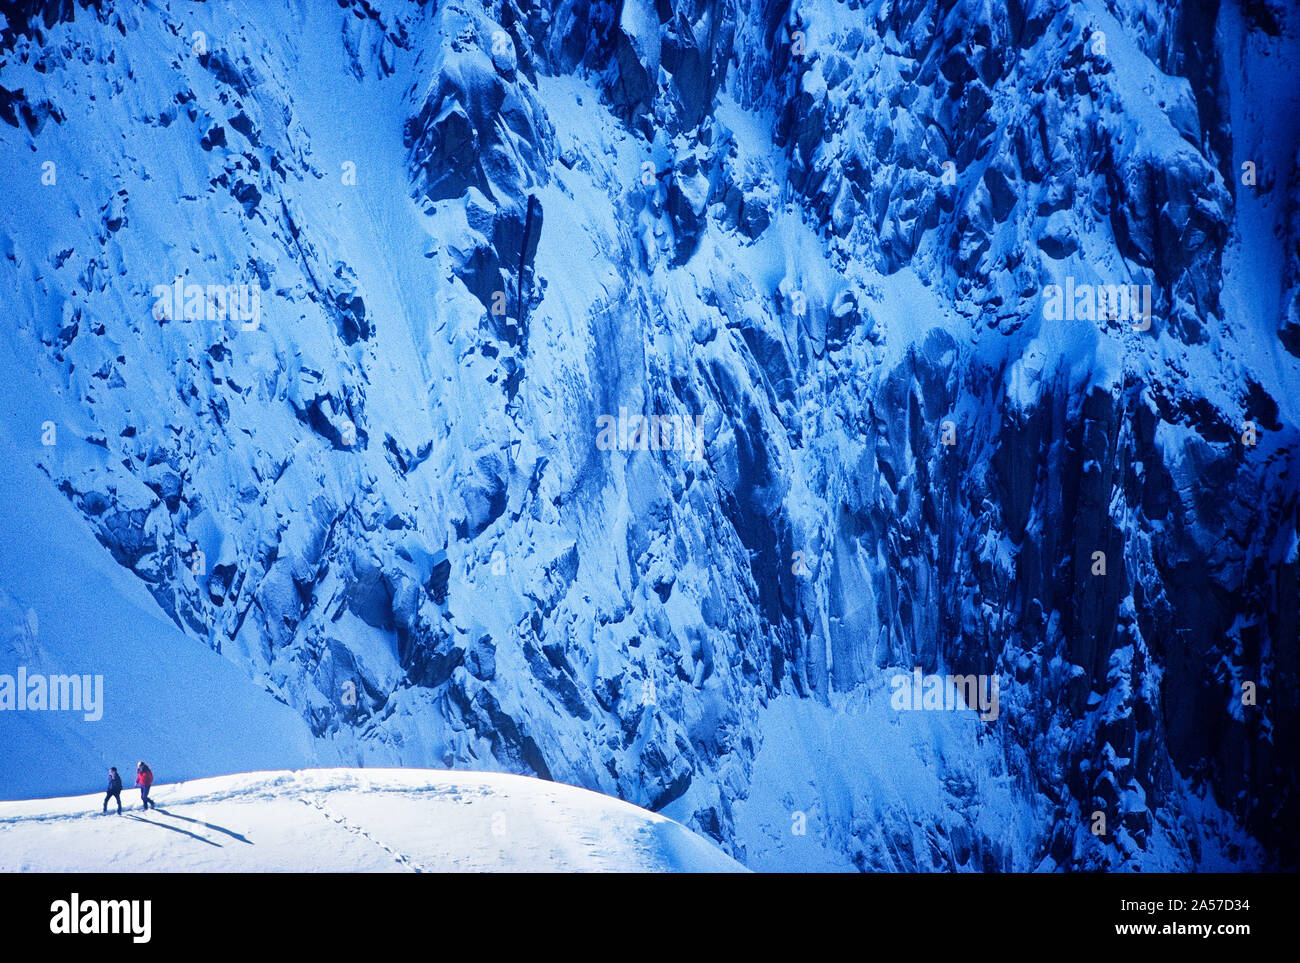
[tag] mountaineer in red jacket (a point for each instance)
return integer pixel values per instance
(144, 779)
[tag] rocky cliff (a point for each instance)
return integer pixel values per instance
(877, 249)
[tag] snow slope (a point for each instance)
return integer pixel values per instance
(856, 786)
(67, 607)
(351, 820)
(852, 785)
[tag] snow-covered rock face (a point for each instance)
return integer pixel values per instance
(466, 238)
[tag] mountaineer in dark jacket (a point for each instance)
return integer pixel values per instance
(114, 789)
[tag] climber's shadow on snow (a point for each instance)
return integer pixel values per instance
(199, 822)
(175, 829)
